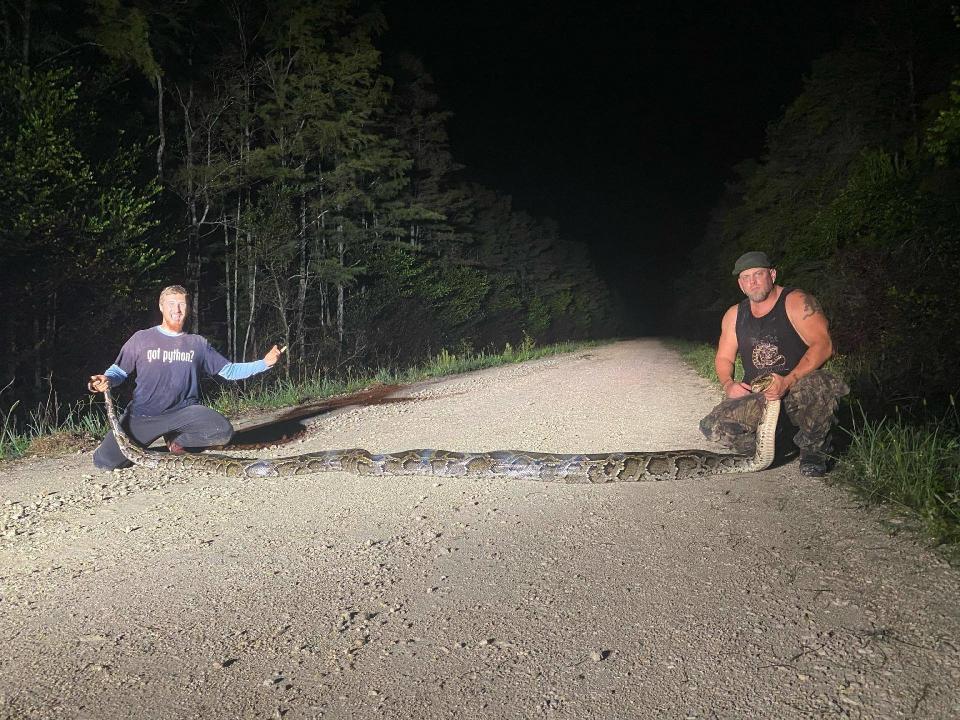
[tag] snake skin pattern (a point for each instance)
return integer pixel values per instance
(545, 467)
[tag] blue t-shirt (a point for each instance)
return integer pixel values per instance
(168, 369)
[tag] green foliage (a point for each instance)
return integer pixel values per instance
(49, 418)
(12, 441)
(123, 34)
(302, 193)
(538, 316)
(943, 135)
(916, 467)
(854, 208)
(77, 222)
(700, 356)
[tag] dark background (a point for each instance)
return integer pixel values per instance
(642, 150)
(621, 121)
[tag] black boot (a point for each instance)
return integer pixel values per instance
(813, 463)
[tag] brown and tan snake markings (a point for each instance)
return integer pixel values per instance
(522, 465)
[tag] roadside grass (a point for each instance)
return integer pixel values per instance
(700, 357)
(52, 429)
(913, 467)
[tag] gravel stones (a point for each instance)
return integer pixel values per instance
(764, 596)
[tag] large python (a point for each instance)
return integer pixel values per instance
(546, 467)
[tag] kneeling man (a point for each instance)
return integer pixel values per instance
(778, 331)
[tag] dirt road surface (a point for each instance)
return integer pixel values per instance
(138, 595)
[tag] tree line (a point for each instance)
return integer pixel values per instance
(272, 159)
(857, 200)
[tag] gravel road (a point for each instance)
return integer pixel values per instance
(137, 595)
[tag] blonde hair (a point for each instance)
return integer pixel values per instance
(173, 290)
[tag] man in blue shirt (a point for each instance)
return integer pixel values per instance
(167, 363)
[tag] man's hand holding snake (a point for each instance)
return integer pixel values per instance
(98, 383)
(779, 385)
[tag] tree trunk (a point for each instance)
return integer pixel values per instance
(252, 294)
(36, 353)
(27, 11)
(162, 143)
(10, 351)
(324, 288)
(282, 312)
(226, 272)
(236, 281)
(301, 308)
(193, 234)
(341, 250)
(911, 81)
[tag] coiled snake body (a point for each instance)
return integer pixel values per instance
(545, 467)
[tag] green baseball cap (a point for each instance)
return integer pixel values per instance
(752, 259)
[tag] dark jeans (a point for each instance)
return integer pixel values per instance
(811, 406)
(195, 426)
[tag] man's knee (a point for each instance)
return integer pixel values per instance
(110, 467)
(744, 411)
(206, 427)
(221, 431)
(811, 406)
(708, 427)
(222, 434)
(812, 403)
(819, 387)
(733, 423)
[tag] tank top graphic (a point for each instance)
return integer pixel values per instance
(768, 344)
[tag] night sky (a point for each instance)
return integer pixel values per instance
(619, 120)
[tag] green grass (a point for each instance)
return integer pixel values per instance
(82, 418)
(87, 417)
(916, 467)
(700, 357)
(913, 467)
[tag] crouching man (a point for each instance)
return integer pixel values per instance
(168, 364)
(778, 331)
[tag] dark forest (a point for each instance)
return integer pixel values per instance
(261, 155)
(293, 165)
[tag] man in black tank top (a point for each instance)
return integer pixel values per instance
(778, 331)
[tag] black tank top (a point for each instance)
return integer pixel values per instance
(769, 343)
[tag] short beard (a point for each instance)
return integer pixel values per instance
(760, 295)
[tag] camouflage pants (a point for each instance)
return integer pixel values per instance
(811, 406)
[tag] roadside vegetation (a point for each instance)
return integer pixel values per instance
(911, 464)
(52, 429)
(915, 467)
(295, 176)
(700, 356)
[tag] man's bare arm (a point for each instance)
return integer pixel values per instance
(807, 318)
(810, 306)
(725, 361)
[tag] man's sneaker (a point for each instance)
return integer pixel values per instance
(813, 464)
(175, 448)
